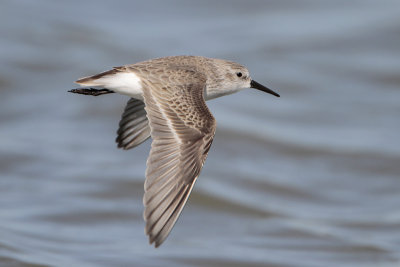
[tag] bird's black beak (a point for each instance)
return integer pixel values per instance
(256, 85)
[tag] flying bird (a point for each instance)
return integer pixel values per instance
(167, 103)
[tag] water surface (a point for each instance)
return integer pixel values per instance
(310, 179)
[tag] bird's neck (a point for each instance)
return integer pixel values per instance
(212, 92)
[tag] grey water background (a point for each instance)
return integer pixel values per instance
(310, 179)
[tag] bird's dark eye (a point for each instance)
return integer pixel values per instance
(239, 74)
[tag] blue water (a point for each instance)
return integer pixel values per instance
(310, 179)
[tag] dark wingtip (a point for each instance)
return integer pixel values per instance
(90, 91)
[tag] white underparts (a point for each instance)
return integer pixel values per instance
(125, 83)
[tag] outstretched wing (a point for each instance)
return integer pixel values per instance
(182, 129)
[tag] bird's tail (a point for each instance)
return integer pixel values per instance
(98, 79)
(120, 80)
(95, 80)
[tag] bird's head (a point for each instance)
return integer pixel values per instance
(232, 77)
